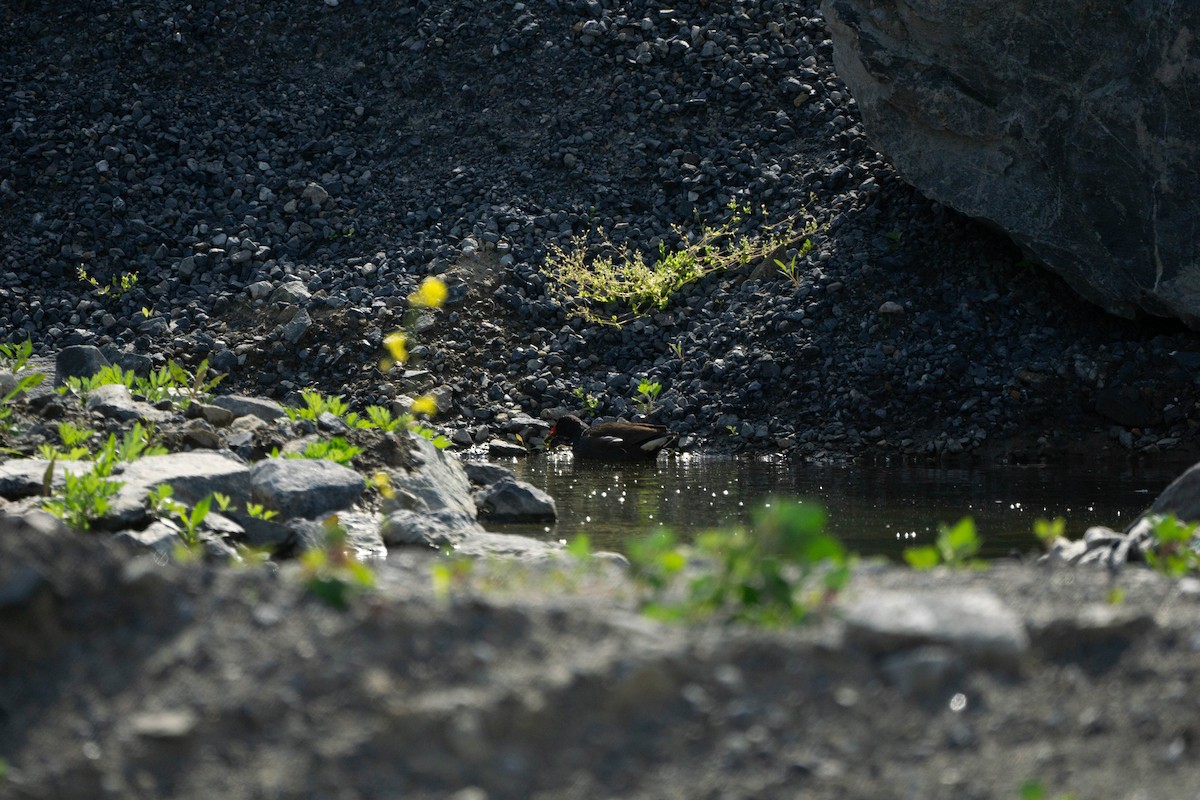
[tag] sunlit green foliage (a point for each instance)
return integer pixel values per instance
(956, 547)
(332, 573)
(776, 572)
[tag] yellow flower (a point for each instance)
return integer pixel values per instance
(396, 343)
(425, 405)
(430, 294)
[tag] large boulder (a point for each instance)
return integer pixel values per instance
(1072, 128)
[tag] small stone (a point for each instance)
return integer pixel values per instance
(315, 193)
(510, 500)
(164, 724)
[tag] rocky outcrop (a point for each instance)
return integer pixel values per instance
(1072, 130)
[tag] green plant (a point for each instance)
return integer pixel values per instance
(260, 511)
(647, 394)
(791, 270)
(677, 349)
(449, 574)
(135, 443)
(336, 449)
(1049, 530)
(381, 418)
(171, 382)
(955, 547)
(332, 573)
(425, 432)
(190, 519)
(1172, 552)
(625, 278)
(316, 404)
(778, 572)
(1034, 789)
(110, 375)
(119, 286)
(180, 384)
(72, 439)
(14, 357)
(83, 499)
(24, 384)
(589, 401)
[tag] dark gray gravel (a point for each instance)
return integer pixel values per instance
(278, 178)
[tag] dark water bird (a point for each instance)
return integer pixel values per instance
(613, 441)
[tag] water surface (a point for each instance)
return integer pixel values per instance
(874, 510)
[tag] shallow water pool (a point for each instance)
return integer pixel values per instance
(875, 510)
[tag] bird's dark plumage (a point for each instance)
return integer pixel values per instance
(613, 441)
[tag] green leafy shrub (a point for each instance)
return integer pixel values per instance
(171, 382)
(73, 439)
(83, 499)
(14, 357)
(332, 573)
(956, 547)
(190, 519)
(1172, 550)
(647, 395)
(777, 572)
(625, 278)
(336, 449)
(24, 384)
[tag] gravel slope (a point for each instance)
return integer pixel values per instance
(122, 678)
(219, 151)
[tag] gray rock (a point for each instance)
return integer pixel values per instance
(315, 193)
(510, 500)
(1181, 498)
(363, 535)
(486, 474)
(290, 293)
(293, 331)
(482, 544)
(975, 623)
(192, 476)
(137, 363)
(502, 449)
(438, 479)
(24, 477)
(1103, 195)
(159, 536)
(213, 414)
(442, 528)
(304, 487)
(241, 406)
(78, 361)
(114, 401)
(199, 433)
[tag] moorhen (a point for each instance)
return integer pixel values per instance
(613, 441)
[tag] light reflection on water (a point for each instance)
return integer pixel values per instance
(873, 509)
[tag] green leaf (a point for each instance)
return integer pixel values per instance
(580, 547)
(1048, 531)
(922, 558)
